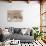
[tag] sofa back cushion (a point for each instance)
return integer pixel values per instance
(23, 31)
(17, 30)
(11, 30)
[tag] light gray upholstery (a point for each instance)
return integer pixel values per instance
(22, 38)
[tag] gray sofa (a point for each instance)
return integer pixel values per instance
(17, 35)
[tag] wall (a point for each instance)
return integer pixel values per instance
(30, 13)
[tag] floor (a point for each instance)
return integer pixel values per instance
(35, 43)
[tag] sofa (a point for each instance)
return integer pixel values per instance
(15, 33)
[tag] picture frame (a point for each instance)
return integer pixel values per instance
(15, 16)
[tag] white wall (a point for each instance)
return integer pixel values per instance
(30, 12)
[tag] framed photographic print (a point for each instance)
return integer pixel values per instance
(15, 16)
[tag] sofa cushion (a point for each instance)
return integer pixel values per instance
(20, 37)
(11, 30)
(23, 31)
(17, 30)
